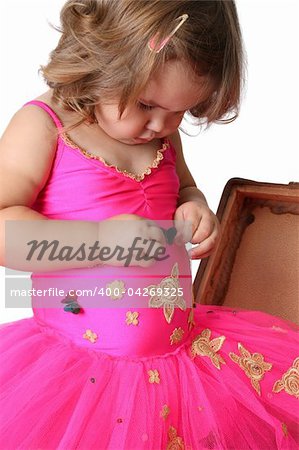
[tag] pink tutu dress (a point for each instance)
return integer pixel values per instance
(124, 371)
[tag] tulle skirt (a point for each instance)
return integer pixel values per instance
(233, 385)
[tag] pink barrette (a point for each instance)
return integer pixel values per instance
(155, 46)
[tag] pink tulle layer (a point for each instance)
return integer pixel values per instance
(232, 385)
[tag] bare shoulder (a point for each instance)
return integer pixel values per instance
(27, 150)
(66, 117)
(182, 169)
(176, 141)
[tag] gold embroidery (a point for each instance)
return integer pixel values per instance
(289, 381)
(284, 429)
(164, 413)
(202, 346)
(132, 318)
(253, 365)
(154, 376)
(176, 336)
(137, 177)
(174, 441)
(167, 294)
(117, 288)
(92, 337)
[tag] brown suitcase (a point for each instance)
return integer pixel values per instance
(255, 264)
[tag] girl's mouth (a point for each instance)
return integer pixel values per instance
(142, 141)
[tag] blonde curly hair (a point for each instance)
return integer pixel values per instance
(103, 53)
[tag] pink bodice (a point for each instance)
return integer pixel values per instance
(127, 321)
(84, 187)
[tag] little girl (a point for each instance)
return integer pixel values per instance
(135, 367)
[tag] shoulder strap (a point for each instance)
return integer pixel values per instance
(49, 110)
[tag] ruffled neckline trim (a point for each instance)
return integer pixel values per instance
(137, 177)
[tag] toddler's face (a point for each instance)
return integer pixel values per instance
(160, 107)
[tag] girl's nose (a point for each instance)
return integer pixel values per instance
(155, 124)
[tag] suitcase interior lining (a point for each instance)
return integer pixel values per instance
(256, 263)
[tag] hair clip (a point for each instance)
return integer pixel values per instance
(155, 46)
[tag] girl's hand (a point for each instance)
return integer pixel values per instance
(127, 231)
(205, 227)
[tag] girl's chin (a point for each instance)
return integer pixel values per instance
(141, 141)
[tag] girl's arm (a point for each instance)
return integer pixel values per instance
(188, 188)
(193, 209)
(27, 151)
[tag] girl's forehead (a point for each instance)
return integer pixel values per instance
(176, 88)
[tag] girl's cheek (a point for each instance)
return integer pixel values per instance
(179, 120)
(133, 128)
(173, 124)
(174, 120)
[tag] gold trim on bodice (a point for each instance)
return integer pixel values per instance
(137, 177)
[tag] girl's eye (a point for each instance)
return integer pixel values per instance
(144, 106)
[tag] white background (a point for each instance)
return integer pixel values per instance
(262, 145)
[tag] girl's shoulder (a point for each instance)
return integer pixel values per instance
(27, 151)
(60, 115)
(30, 129)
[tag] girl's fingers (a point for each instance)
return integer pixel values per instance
(184, 231)
(206, 247)
(205, 229)
(202, 256)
